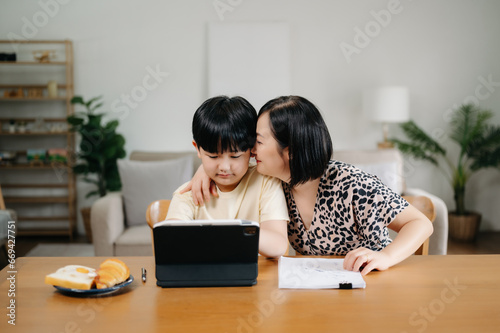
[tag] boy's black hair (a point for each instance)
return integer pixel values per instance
(224, 124)
(297, 124)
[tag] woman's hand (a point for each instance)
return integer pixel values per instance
(366, 260)
(413, 229)
(201, 186)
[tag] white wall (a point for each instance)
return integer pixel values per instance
(442, 50)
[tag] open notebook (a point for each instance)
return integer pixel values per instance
(317, 273)
(204, 253)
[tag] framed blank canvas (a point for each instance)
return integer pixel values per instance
(251, 60)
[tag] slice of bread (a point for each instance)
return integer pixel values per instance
(73, 277)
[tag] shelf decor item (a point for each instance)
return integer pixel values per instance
(12, 126)
(100, 148)
(57, 155)
(479, 144)
(52, 89)
(8, 157)
(44, 56)
(39, 126)
(15, 93)
(36, 156)
(8, 56)
(21, 126)
(35, 93)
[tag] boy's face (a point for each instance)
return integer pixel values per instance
(225, 169)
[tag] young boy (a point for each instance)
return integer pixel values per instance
(223, 134)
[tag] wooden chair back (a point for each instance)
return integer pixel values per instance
(156, 212)
(425, 205)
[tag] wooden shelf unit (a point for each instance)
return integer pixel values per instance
(32, 99)
(29, 133)
(27, 197)
(51, 63)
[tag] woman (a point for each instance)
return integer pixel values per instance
(334, 208)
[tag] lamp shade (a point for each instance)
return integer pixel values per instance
(387, 104)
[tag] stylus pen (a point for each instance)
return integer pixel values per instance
(143, 274)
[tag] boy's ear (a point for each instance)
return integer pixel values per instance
(197, 148)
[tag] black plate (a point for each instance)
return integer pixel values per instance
(91, 292)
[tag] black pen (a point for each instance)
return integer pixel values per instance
(143, 274)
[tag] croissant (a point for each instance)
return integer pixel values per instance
(110, 273)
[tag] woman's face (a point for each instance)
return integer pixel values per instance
(266, 150)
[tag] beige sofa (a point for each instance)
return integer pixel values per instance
(118, 231)
(114, 235)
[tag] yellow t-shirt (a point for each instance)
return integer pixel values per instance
(256, 198)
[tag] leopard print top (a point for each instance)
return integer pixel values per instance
(352, 210)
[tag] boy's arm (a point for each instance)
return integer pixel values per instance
(274, 218)
(181, 207)
(273, 239)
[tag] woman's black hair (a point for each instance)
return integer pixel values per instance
(298, 125)
(223, 124)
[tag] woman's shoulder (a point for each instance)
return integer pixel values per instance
(343, 168)
(347, 173)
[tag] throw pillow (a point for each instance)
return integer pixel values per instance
(146, 181)
(388, 173)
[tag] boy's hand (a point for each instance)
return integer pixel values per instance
(201, 186)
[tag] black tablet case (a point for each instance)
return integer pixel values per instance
(197, 255)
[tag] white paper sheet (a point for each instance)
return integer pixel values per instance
(316, 273)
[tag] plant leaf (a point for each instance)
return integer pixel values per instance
(468, 123)
(414, 150)
(77, 100)
(485, 149)
(92, 100)
(419, 138)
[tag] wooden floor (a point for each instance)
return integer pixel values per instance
(486, 243)
(24, 244)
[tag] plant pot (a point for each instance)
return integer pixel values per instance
(464, 228)
(86, 222)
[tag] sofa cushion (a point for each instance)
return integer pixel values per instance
(387, 173)
(145, 182)
(386, 164)
(135, 241)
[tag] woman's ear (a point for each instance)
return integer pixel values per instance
(286, 155)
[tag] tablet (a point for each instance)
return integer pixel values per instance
(206, 253)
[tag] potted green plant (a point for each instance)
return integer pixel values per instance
(479, 144)
(100, 148)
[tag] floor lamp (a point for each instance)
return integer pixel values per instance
(387, 105)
